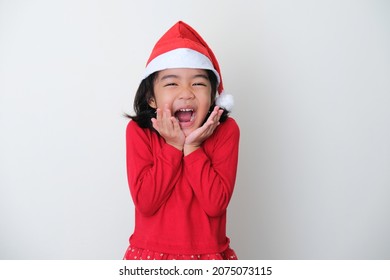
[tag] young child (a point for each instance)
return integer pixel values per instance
(182, 153)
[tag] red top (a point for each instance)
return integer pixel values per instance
(180, 202)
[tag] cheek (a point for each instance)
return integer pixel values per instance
(204, 108)
(206, 102)
(162, 98)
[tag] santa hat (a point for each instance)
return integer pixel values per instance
(182, 47)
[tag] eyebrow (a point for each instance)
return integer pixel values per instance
(165, 77)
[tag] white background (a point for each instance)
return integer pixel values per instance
(311, 81)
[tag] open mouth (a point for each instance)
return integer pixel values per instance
(185, 115)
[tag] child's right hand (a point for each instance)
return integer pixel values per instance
(168, 127)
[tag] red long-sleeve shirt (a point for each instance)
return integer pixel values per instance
(180, 202)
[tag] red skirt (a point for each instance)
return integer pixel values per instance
(133, 253)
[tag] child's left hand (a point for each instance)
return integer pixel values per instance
(196, 138)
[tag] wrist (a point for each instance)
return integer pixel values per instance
(188, 149)
(177, 146)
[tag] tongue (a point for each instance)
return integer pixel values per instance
(183, 116)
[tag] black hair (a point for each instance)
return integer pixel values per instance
(145, 92)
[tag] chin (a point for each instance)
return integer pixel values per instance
(188, 127)
(187, 131)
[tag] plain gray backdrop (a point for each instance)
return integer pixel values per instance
(311, 81)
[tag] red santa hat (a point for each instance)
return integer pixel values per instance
(182, 47)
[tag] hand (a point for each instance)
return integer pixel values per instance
(169, 128)
(196, 138)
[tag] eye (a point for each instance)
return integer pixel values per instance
(170, 85)
(199, 84)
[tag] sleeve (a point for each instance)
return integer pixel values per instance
(151, 176)
(212, 176)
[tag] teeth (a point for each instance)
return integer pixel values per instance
(186, 110)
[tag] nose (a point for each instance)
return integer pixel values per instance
(187, 93)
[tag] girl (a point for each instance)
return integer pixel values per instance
(182, 153)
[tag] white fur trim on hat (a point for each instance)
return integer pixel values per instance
(180, 58)
(225, 100)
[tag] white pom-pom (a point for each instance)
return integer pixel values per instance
(225, 100)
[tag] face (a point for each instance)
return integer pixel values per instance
(187, 92)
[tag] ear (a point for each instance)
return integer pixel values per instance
(152, 103)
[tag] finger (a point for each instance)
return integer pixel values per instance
(167, 112)
(161, 121)
(214, 117)
(158, 114)
(167, 117)
(175, 123)
(155, 124)
(219, 115)
(213, 121)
